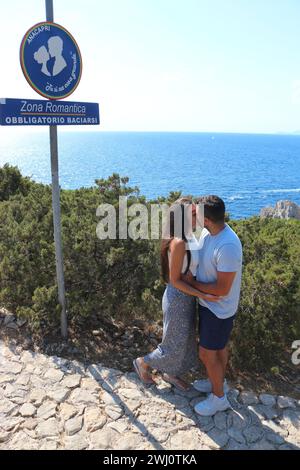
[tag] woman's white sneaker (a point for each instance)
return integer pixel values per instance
(205, 386)
(212, 405)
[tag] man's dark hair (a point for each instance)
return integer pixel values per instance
(214, 208)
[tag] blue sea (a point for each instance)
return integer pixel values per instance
(248, 171)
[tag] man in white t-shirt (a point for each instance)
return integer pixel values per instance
(219, 273)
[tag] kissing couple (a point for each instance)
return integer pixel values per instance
(205, 271)
(44, 57)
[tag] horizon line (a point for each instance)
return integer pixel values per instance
(294, 133)
(80, 129)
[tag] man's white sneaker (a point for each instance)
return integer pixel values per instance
(205, 386)
(212, 405)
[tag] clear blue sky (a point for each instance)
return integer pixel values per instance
(174, 65)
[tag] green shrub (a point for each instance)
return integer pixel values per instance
(268, 319)
(120, 278)
(44, 311)
(12, 182)
(113, 278)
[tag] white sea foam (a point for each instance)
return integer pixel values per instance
(247, 194)
(236, 197)
(275, 191)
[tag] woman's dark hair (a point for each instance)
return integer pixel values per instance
(170, 234)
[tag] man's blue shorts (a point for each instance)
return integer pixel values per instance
(214, 332)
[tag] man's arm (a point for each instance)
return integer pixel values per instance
(177, 250)
(227, 263)
(221, 287)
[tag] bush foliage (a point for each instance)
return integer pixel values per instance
(120, 279)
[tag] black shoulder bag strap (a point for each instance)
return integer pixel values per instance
(189, 257)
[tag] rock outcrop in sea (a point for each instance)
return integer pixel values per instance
(282, 210)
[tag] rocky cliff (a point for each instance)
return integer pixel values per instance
(282, 210)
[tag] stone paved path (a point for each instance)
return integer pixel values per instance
(52, 403)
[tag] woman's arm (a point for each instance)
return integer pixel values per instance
(177, 251)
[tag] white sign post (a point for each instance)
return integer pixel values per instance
(42, 42)
(56, 210)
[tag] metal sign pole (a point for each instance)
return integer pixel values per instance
(56, 209)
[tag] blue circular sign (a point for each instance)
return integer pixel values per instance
(51, 60)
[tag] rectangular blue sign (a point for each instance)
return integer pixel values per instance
(18, 112)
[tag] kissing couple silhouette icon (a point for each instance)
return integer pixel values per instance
(55, 50)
